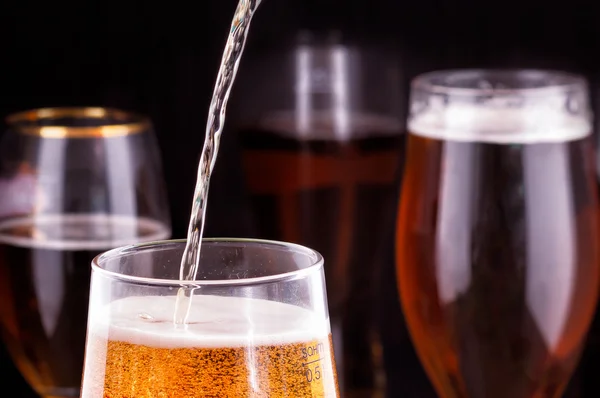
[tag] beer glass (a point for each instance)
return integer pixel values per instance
(322, 149)
(497, 235)
(74, 182)
(257, 326)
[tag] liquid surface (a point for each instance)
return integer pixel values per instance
(213, 321)
(323, 126)
(44, 290)
(80, 231)
(464, 122)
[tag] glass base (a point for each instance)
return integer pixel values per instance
(70, 395)
(69, 392)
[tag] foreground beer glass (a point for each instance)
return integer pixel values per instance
(74, 182)
(258, 325)
(497, 236)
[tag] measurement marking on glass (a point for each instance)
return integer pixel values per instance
(308, 363)
(313, 355)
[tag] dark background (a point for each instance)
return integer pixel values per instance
(161, 58)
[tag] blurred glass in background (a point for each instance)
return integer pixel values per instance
(74, 182)
(322, 132)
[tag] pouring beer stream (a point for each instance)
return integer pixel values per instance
(216, 120)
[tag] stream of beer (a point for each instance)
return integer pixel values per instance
(214, 128)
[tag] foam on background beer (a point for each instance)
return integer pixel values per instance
(214, 322)
(500, 120)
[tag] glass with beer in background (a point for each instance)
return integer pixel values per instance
(322, 137)
(585, 383)
(75, 182)
(257, 324)
(497, 235)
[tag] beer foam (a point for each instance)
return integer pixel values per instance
(329, 126)
(80, 231)
(501, 125)
(214, 321)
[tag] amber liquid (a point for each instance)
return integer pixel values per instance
(294, 370)
(44, 292)
(333, 196)
(498, 263)
(585, 381)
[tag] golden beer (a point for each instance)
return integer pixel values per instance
(232, 347)
(497, 248)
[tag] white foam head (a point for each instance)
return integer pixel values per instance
(214, 321)
(500, 106)
(475, 122)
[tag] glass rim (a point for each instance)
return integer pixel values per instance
(123, 122)
(315, 265)
(564, 81)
